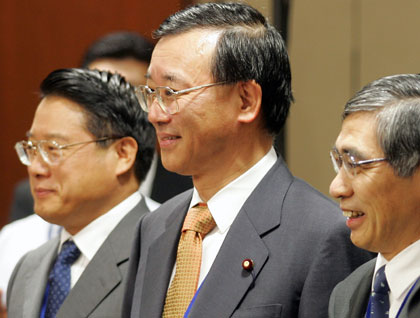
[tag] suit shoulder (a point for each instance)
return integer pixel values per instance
(357, 275)
(41, 251)
(307, 194)
(169, 206)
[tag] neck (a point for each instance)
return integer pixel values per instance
(95, 209)
(236, 163)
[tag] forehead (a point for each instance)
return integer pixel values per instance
(184, 57)
(358, 135)
(58, 116)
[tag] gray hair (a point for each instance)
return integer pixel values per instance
(396, 100)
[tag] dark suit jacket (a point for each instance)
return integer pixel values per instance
(350, 298)
(98, 292)
(295, 236)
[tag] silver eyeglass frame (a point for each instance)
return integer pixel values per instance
(350, 165)
(144, 92)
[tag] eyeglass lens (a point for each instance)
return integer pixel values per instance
(165, 97)
(345, 160)
(49, 151)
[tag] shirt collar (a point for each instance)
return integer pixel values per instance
(92, 236)
(402, 270)
(226, 203)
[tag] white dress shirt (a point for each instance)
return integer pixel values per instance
(26, 234)
(224, 206)
(402, 271)
(92, 236)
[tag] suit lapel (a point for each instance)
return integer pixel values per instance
(103, 274)
(360, 297)
(412, 307)
(227, 282)
(36, 280)
(160, 261)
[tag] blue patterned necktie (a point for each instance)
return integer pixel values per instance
(379, 299)
(59, 278)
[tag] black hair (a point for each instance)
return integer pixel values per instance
(119, 45)
(111, 108)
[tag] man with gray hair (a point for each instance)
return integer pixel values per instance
(377, 157)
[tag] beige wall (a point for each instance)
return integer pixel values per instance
(336, 47)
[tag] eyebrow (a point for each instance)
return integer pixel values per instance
(169, 77)
(51, 136)
(352, 152)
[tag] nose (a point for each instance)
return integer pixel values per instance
(38, 167)
(156, 114)
(341, 187)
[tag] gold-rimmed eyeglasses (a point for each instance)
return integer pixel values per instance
(166, 96)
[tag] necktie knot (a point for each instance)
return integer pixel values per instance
(381, 284)
(69, 253)
(199, 219)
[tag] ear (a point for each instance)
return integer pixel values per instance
(126, 151)
(251, 95)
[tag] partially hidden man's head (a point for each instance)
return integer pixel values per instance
(124, 52)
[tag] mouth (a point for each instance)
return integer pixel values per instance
(42, 192)
(167, 140)
(353, 214)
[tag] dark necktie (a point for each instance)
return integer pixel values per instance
(197, 224)
(379, 299)
(59, 278)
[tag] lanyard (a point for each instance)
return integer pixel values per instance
(402, 305)
(192, 301)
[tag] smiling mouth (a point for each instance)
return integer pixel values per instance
(170, 138)
(352, 214)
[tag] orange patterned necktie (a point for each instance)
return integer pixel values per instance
(197, 224)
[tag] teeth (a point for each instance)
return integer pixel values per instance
(352, 214)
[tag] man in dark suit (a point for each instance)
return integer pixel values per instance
(218, 92)
(88, 149)
(377, 158)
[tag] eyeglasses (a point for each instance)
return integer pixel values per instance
(165, 96)
(351, 166)
(50, 150)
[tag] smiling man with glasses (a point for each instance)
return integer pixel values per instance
(88, 149)
(377, 158)
(218, 92)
